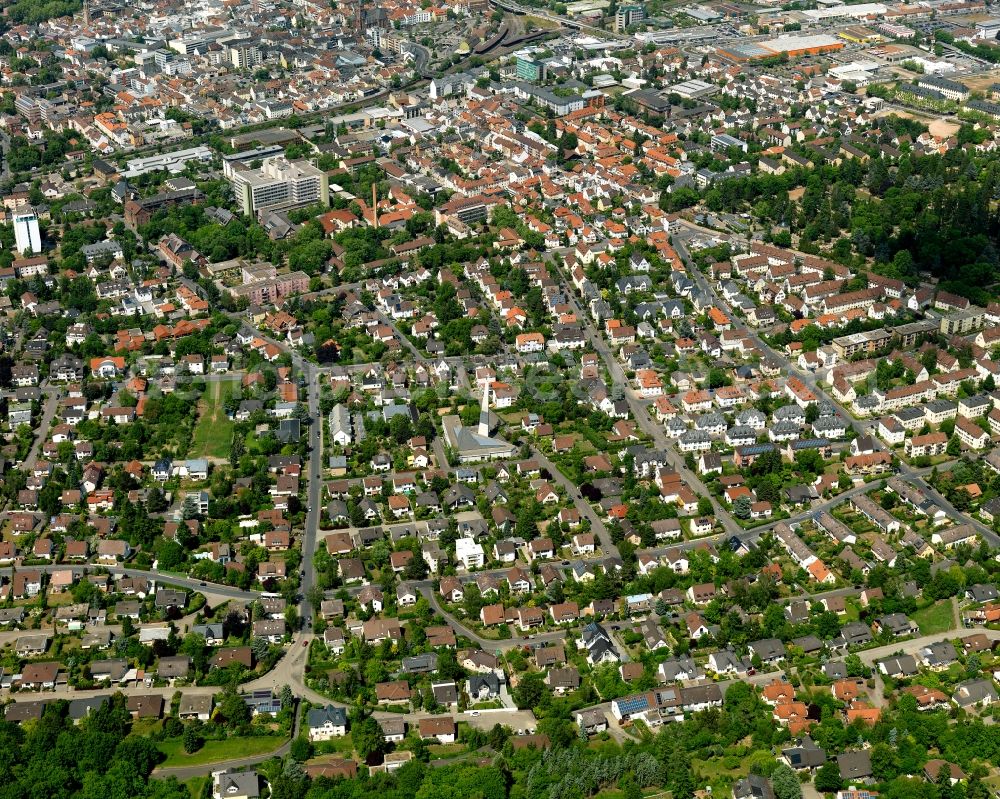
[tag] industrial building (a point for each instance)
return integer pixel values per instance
(693, 88)
(792, 46)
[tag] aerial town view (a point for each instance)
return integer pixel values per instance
(499, 399)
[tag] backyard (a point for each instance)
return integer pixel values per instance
(936, 618)
(213, 434)
(215, 751)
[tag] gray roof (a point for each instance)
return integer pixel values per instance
(319, 716)
(898, 666)
(768, 648)
(805, 755)
(855, 765)
(417, 664)
(753, 787)
(972, 692)
(239, 783)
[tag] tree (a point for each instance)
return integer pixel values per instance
(498, 736)
(232, 709)
(855, 666)
(809, 461)
(301, 749)
(717, 378)
(155, 501)
(367, 737)
(885, 765)
(529, 691)
(629, 786)
(828, 777)
(786, 785)
(193, 739)
(741, 507)
(681, 780)
(315, 597)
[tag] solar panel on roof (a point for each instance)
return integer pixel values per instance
(632, 704)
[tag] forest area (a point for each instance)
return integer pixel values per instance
(925, 213)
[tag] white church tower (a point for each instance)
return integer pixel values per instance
(484, 412)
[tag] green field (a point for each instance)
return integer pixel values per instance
(936, 618)
(213, 751)
(213, 434)
(196, 786)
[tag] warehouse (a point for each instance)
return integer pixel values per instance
(856, 11)
(794, 46)
(797, 46)
(690, 89)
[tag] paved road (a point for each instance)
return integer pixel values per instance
(183, 773)
(586, 509)
(753, 533)
(42, 430)
(314, 489)
(214, 591)
(4, 149)
(290, 670)
(188, 772)
(913, 645)
(487, 644)
(418, 356)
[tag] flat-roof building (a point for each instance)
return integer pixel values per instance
(279, 184)
(172, 162)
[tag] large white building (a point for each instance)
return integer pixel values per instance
(172, 162)
(469, 553)
(27, 237)
(280, 183)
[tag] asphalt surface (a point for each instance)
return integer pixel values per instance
(314, 503)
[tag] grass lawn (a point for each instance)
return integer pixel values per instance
(196, 786)
(445, 751)
(146, 727)
(213, 433)
(214, 751)
(936, 618)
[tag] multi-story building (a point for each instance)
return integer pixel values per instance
(244, 53)
(962, 322)
(280, 183)
(868, 341)
(27, 237)
(530, 69)
(627, 16)
(271, 290)
(951, 89)
(930, 445)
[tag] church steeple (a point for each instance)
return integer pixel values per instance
(484, 412)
